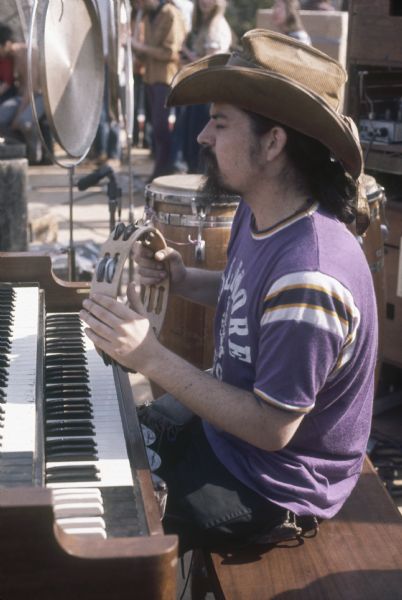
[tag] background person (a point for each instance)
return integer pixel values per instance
(16, 116)
(210, 34)
(7, 87)
(286, 17)
(164, 33)
(282, 424)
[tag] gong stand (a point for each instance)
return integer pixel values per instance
(69, 55)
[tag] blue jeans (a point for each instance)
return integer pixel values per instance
(206, 505)
(9, 109)
(107, 138)
(25, 124)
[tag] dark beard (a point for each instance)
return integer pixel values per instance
(213, 186)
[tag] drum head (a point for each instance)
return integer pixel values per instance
(373, 190)
(71, 71)
(184, 189)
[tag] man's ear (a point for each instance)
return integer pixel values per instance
(274, 142)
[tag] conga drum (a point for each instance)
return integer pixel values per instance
(373, 247)
(199, 228)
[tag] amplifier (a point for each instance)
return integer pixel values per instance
(388, 132)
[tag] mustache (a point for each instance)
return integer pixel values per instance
(208, 161)
(212, 185)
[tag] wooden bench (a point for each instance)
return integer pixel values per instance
(356, 556)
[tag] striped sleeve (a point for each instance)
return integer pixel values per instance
(310, 321)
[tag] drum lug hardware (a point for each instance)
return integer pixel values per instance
(384, 232)
(200, 250)
(197, 209)
(149, 214)
(199, 247)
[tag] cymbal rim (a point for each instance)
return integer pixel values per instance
(71, 69)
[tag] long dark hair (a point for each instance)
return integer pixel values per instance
(293, 19)
(316, 169)
(197, 20)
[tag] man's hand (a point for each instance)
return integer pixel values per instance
(123, 333)
(154, 268)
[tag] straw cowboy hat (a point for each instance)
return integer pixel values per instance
(283, 79)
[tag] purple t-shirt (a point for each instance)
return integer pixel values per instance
(296, 324)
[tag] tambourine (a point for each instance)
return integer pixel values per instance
(114, 254)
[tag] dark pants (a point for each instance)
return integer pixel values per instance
(162, 136)
(206, 505)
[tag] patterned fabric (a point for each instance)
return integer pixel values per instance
(296, 325)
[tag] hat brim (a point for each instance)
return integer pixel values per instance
(271, 95)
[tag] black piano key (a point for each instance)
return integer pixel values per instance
(70, 455)
(66, 473)
(84, 423)
(61, 341)
(67, 349)
(55, 317)
(69, 430)
(53, 371)
(69, 414)
(78, 403)
(65, 379)
(65, 401)
(86, 444)
(59, 330)
(59, 359)
(65, 392)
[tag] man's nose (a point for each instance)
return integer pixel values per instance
(205, 137)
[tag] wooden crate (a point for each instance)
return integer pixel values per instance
(375, 32)
(328, 30)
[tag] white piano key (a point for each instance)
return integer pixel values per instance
(78, 522)
(67, 495)
(97, 532)
(78, 509)
(89, 526)
(19, 409)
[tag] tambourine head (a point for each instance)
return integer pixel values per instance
(115, 253)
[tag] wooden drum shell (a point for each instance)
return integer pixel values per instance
(177, 210)
(373, 247)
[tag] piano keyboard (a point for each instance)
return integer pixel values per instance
(57, 413)
(87, 466)
(85, 462)
(19, 347)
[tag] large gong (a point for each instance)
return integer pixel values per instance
(71, 69)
